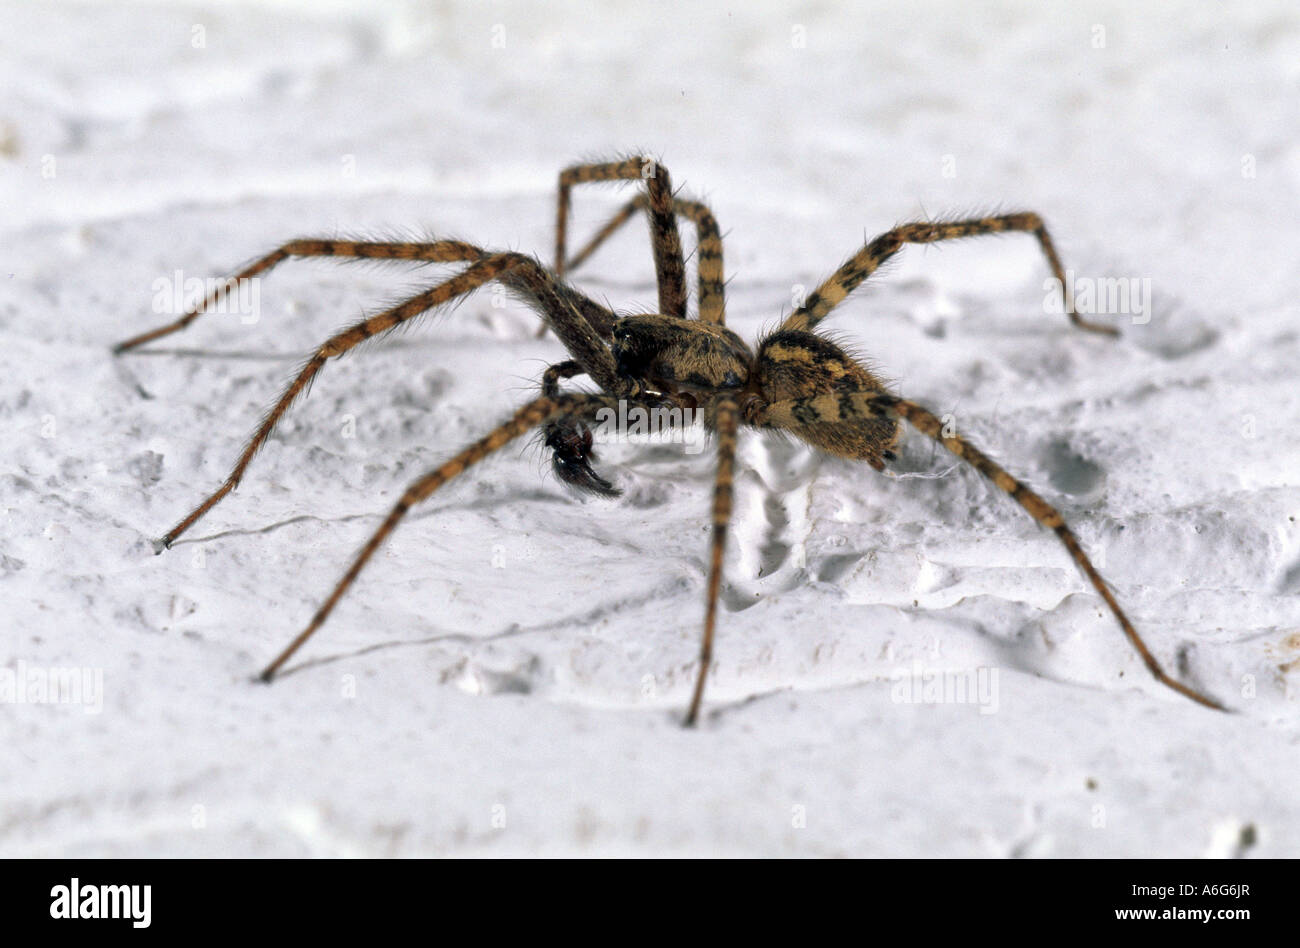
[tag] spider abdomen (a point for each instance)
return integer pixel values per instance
(795, 365)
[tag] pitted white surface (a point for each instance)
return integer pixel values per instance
(507, 675)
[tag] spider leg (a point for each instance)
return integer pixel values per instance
(530, 415)
(624, 214)
(849, 407)
(708, 251)
(670, 267)
(570, 439)
(865, 262)
(441, 251)
(522, 273)
(726, 424)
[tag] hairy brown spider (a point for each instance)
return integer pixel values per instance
(797, 380)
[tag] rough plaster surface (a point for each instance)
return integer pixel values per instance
(506, 677)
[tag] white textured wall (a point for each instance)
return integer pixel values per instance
(547, 691)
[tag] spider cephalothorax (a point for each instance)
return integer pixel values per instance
(796, 380)
(661, 362)
(673, 355)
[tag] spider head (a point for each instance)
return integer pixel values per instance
(679, 355)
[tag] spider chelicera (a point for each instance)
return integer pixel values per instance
(795, 380)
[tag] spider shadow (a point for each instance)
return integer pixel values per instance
(584, 620)
(265, 355)
(456, 637)
(538, 495)
(258, 356)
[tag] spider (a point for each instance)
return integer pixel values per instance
(794, 380)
